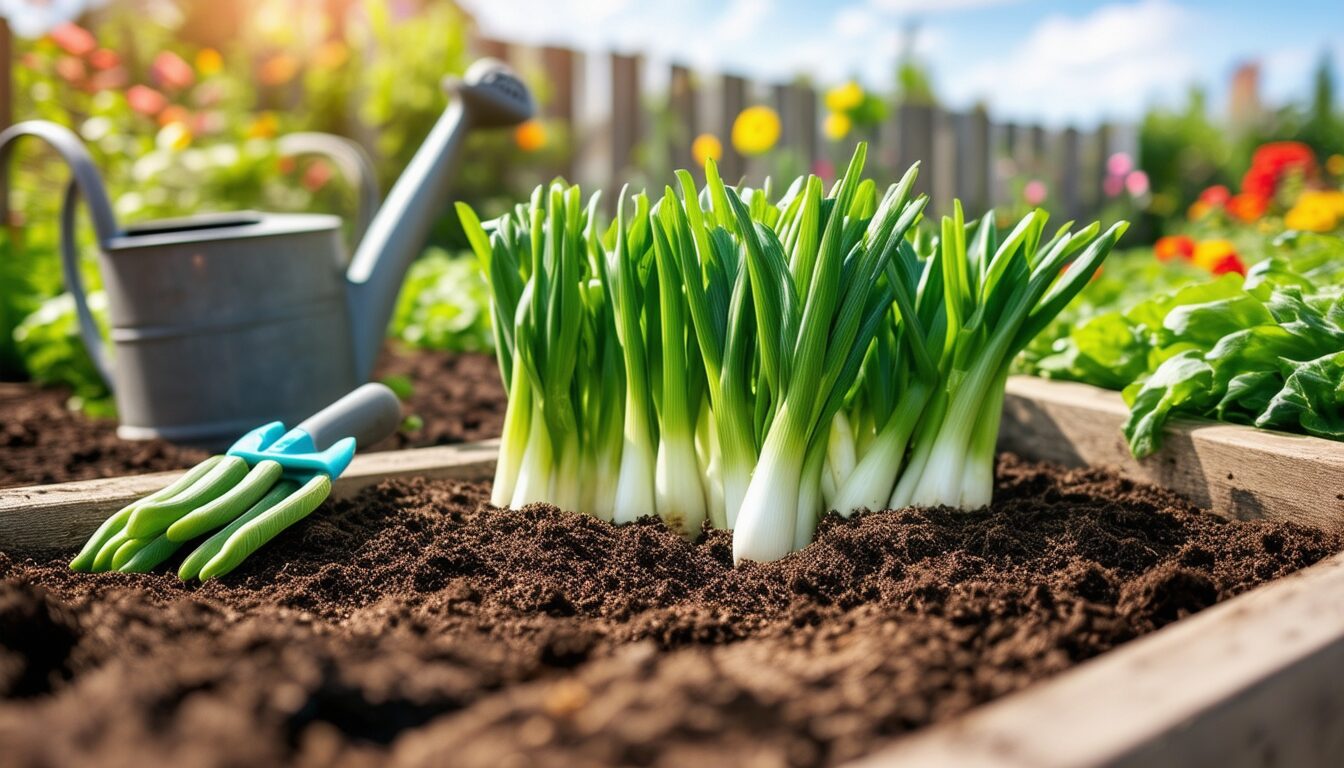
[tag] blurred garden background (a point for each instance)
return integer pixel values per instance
(1223, 150)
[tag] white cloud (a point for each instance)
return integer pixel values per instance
(1113, 61)
(853, 21)
(926, 7)
(742, 18)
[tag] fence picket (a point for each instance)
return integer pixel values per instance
(964, 155)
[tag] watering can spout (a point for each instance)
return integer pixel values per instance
(488, 95)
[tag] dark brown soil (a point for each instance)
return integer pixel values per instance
(458, 398)
(414, 626)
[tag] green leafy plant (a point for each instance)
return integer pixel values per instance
(730, 357)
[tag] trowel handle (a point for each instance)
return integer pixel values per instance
(369, 414)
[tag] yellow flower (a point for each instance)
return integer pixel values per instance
(264, 126)
(755, 130)
(1327, 198)
(706, 147)
(837, 126)
(1312, 213)
(1210, 252)
(843, 98)
(530, 136)
(1335, 165)
(209, 62)
(175, 136)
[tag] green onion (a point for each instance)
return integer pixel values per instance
(752, 363)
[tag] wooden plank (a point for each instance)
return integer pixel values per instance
(732, 100)
(684, 105)
(1236, 471)
(63, 515)
(974, 156)
(560, 66)
(495, 49)
(914, 143)
(625, 116)
(1252, 681)
(1069, 170)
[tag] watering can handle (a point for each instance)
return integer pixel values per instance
(84, 182)
(352, 161)
(74, 283)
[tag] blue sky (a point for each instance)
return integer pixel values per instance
(1054, 60)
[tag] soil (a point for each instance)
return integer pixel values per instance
(457, 398)
(416, 626)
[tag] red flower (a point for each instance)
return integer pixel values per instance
(73, 39)
(145, 100)
(171, 72)
(1260, 181)
(1215, 195)
(1229, 263)
(1275, 160)
(1174, 246)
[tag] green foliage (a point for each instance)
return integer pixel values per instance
(1264, 350)
(49, 342)
(444, 305)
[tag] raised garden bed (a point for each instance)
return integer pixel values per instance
(406, 622)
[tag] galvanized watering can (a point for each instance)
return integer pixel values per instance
(221, 322)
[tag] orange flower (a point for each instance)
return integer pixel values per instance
(209, 62)
(1210, 253)
(171, 72)
(73, 39)
(278, 69)
(1198, 210)
(330, 55)
(174, 113)
(1247, 206)
(1174, 246)
(706, 147)
(530, 136)
(145, 100)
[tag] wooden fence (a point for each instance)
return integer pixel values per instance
(632, 121)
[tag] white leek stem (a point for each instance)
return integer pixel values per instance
(634, 484)
(871, 483)
(534, 475)
(810, 507)
(766, 522)
(513, 443)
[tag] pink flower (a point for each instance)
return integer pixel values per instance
(73, 39)
(145, 100)
(1035, 192)
(824, 169)
(1113, 186)
(1137, 184)
(171, 72)
(1119, 164)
